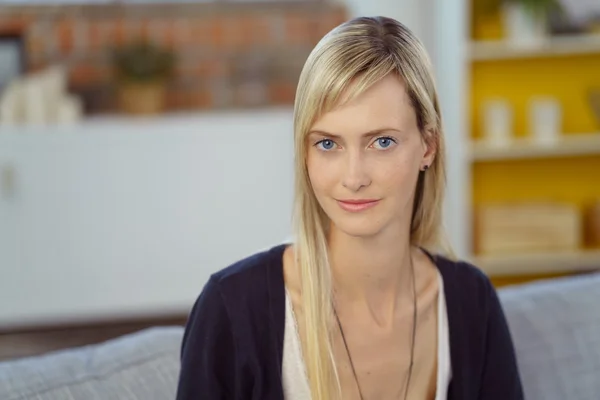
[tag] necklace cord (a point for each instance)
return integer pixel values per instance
(413, 338)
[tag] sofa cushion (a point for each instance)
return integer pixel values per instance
(555, 326)
(140, 366)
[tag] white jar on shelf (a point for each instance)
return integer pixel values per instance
(497, 122)
(545, 120)
(523, 26)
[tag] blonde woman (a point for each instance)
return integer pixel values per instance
(362, 305)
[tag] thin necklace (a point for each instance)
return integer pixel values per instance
(413, 336)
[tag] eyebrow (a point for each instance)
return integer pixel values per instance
(369, 134)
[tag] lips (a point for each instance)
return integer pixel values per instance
(353, 205)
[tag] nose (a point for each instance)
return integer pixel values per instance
(355, 174)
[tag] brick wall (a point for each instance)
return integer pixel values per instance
(228, 55)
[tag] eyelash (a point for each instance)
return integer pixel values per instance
(374, 141)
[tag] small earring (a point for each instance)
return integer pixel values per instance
(425, 167)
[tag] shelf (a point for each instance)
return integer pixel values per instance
(539, 263)
(523, 148)
(556, 46)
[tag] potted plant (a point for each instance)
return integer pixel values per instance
(142, 70)
(524, 21)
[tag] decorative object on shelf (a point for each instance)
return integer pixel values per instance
(497, 122)
(35, 107)
(525, 22)
(563, 24)
(40, 98)
(581, 14)
(142, 70)
(523, 26)
(545, 120)
(527, 227)
(69, 110)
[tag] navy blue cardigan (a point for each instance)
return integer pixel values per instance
(233, 342)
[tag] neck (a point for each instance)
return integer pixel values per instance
(371, 272)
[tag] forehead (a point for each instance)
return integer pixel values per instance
(386, 103)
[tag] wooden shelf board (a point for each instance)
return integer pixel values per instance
(556, 46)
(539, 263)
(524, 148)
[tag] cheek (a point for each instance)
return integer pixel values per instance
(395, 180)
(317, 173)
(398, 175)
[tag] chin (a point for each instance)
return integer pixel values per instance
(358, 226)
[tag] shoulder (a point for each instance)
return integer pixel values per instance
(237, 296)
(463, 278)
(252, 267)
(470, 295)
(250, 275)
(226, 324)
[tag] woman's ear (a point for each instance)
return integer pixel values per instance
(429, 139)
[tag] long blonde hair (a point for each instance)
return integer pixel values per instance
(360, 51)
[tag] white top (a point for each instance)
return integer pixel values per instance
(295, 382)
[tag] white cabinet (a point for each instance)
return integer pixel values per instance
(117, 217)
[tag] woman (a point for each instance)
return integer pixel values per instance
(359, 306)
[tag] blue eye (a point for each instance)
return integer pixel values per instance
(326, 144)
(384, 142)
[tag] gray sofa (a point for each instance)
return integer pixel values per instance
(555, 327)
(140, 366)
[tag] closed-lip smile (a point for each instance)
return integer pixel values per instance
(357, 205)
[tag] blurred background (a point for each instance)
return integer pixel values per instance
(145, 145)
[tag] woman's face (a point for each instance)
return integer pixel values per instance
(364, 158)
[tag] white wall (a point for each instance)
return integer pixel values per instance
(118, 218)
(449, 47)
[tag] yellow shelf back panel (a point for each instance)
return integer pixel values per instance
(569, 79)
(574, 180)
